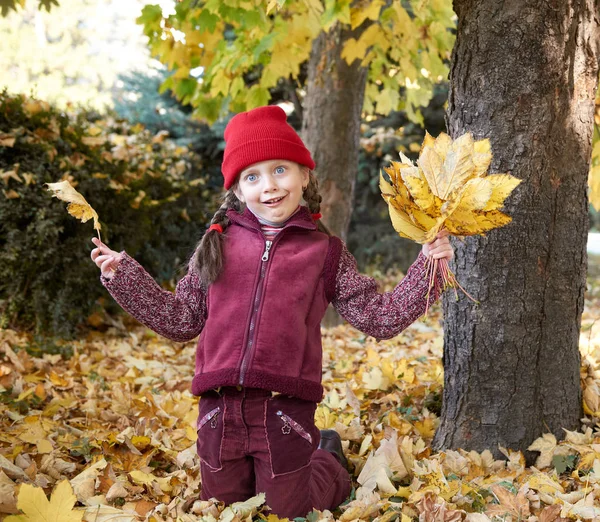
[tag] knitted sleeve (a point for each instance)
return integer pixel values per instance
(382, 315)
(179, 316)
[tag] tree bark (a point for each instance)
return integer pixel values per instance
(524, 74)
(331, 127)
(331, 124)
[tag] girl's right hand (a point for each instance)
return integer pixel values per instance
(107, 260)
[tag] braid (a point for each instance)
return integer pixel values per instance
(313, 199)
(208, 256)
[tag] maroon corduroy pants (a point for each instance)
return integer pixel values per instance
(251, 442)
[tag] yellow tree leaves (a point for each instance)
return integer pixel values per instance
(36, 507)
(448, 189)
(404, 47)
(78, 207)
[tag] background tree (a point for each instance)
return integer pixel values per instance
(339, 57)
(525, 76)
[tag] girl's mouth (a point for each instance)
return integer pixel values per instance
(273, 202)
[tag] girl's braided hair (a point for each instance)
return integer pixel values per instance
(207, 259)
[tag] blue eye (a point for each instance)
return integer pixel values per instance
(251, 177)
(280, 170)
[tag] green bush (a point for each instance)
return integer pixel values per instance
(148, 193)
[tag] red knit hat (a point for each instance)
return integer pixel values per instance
(259, 135)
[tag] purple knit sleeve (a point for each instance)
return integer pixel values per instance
(382, 315)
(179, 316)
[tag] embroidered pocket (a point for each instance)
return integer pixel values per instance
(289, 424)
(291, 433)
(211, 417)
(210, 431)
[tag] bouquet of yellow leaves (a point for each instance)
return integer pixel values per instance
(448, 188)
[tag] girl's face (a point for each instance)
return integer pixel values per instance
(272, 189)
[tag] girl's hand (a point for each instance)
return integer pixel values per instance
(107, 260)
(440, 248)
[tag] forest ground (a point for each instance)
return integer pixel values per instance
(113, 414)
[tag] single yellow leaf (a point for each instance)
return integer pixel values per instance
(242, 510)
(442, 145)
(482, 156)
(370, 11)
(404, 225)
(546, 444)
(431, 165)
(384, 186)
(36, 507)
(5, 175)
(375, 380)
(7, 140)
(78, 207)
(485, 221)
(428, 141)
(44, 446)
(458, 166)
(543, 483)
(418, 188)
(502, 185)
(475, 194)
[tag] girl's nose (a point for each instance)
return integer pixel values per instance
(269, 184)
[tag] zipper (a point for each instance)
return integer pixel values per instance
(289, 424)
(255, 307)
(211, 416)
(258, 295)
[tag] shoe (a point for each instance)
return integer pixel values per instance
(332, 442)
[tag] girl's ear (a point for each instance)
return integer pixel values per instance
(238, 192)
(305, 175)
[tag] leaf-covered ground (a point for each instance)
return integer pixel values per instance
(107, 425)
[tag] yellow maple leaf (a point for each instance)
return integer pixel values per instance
(447, 189)
(458, 165)
(405, 226)
(78, 207)
(36, 507)
(418, 188)
(370, 11)
(482, 156)
(431, 164)
(502, 186)
(516, 506)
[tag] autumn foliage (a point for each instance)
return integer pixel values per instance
(106, 433)
(152, 198)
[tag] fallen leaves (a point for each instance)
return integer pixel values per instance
(36, 507)
(108, 434)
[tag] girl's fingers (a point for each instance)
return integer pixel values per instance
(101, 260)
(101, 246)
(106, 266)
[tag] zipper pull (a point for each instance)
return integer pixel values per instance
(265, 256)
(286, 428)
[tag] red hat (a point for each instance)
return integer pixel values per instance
(259, 135)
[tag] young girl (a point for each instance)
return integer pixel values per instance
(256, 290)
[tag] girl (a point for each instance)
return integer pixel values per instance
(256, 290)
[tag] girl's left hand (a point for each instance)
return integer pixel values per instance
(440, 248)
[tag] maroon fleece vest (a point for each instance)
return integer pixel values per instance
(263, 328)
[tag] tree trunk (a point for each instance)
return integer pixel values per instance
(524, 74)
(331, 127)
(331, 124)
